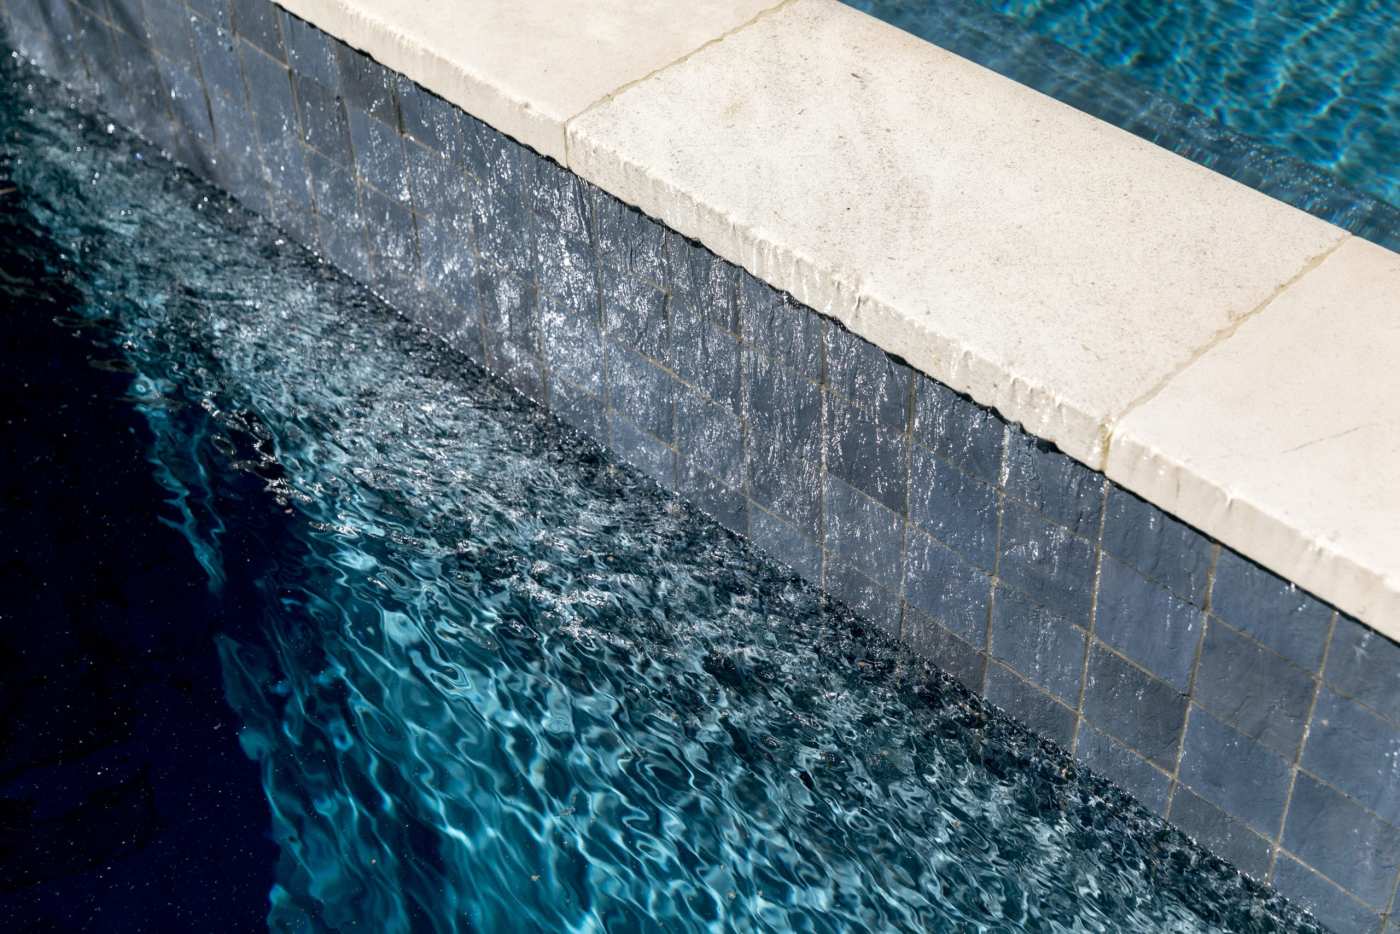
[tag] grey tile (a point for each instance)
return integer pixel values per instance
(1125, 768)
(1135, 708)
(1040, 712)
(702, 283)
(643, 451)
(215, 12)
(1226, 836)
(1234, 773)
(1147, 623)
(1041, 646)
(1046, 562)
(955, 507)
(269, 87)
(129, 16)
(868, 378)
(1157, 545)
(1365, 665)
(787, 544)
(310, 52)
(867, 455)
(704, 355)
(520, 367)
(1357, 751)
(218, 59)
(1055, 484)
(437, 186)
(631, 242)
(778, 326)
(379, 155)
(1277, 613)
(710, 437)
(334, 188)
(1332, 833)
(459, 327)
(257, 21)
(641, 391)
(947, 588)
(367, 86)
(719, 500)
(428, 118)
(503, 227)
(863, 533)
(1332, 906)
(954, 656)
(783, 405)
(447, 261)
(1253, 689)
(567, 274)
(560, 201)
(168, 30)
(393, 241)
(784, 484)
(579, 409)
(324, 125)
(573, 346)
(508, 306)
(342, 242)
(861, 595)
(187, 102)
(634, 314)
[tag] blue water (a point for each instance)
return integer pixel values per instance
(1299, 98)
(309, 624)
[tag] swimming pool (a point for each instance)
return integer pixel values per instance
(1298, 99)
(487, 678)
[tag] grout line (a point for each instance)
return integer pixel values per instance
(1215, 340)
(1191, 681)
(1302, 745)
(627, 85)
(1089, 640)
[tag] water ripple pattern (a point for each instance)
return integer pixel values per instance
(504, 684)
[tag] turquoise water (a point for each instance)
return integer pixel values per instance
(1300, 98)
(480, 677)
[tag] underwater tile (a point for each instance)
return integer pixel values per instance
(1038, 711)
(1145, 714)
(1041, 646)
(1332, 905)
(1125, 768)
(947, 588)
(1223, 834)
(864, 533)
(719, 500)
(786, 543)
(954, 656)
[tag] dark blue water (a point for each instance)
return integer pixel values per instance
(308, 624)
(1298, 98)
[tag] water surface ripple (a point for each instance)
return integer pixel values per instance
(501, 683)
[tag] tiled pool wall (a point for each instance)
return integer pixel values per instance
(1253, 716)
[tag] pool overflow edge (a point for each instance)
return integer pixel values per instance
(1213, 691)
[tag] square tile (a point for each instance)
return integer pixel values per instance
(508, 307)
(560, 200)
(710, 436)
(334, 188)
(643, 451)
(168, 30)
(579, 409)
(367, 86)
(1047, 563)
(447, 260)
(393, 240)
(868, 378)
(789, 545)
(955, 507)
(1331, 905)
(1042, 647)
(631, 242)
(503, 230)
(324, 125)
(1277, 613)
(863, 533)
(520, 367)
(379, 155)
(947, 588)
(1357, 751)
(1147, 623)
(634, 314)
(1332, 833)
(257, 21)
(702, 283)
(1365, 666)
(1226, 836)
(1256, 691)
(783, 405)
(774, 324)
(428, 118)
(1125, 768)
(310, 52)
(342, 242)
(866, 455)
(269, 87)
(573, 346)
(218, 59)
(438, 187)
(719, 500)
(1156, 545)
(862, 596)
(1233, 772)
(782, 483)
(955, 657)
(704, 355)
(1039, 711)
(1056, 485)
(1145, 714)
(215, 12)
(641, 391)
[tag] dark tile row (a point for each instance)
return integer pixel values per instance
(1249, 713)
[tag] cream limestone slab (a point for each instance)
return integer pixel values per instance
(527, 66)
(1047, 263)
(1284, 441)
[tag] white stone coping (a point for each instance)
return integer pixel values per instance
(1221, 354)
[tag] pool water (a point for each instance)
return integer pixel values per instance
(309, 623)
(1299, 98)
